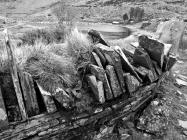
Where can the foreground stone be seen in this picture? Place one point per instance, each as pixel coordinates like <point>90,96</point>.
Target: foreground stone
<point>114,59</point>
<point>154,48</point>
<point>101,75</point>
<point>97,59</point>
<point>97,88</point>
<point>127,65</point>
<point>101,56</point>
<point>113,81</point>
<point>132,83</point>
<point>141,58</point>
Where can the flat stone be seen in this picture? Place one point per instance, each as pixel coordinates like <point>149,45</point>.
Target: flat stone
<point>128,67</point>
<point>171,32</point>
<point>154,48</point>
<point>115,86</point>
<point>96,37</point>
<point>101,75</point>
<point>146,74</point>
<point>141,58</point>
<point>132,83</point>
<point>97,59</point>
<point>171,61</point>
<point>101,56</point>
<point>97,88</point>
<point>114,59</point>
<point>157,68</point>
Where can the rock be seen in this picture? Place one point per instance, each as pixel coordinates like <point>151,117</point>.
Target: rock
<point>154,48</point>
<point>97,88</point>
<point>63,98</point>
<point>132,83</point>
<point>114,59</point>
<point>171,32</point>
<point>146,74</point>
<point>101,56</point>
<point>157,68</point>
<point>145,24</point>
<point>127,65</point>
<point>48,100</point>
<point>97,59</point>
<point>136,14</point>
<point>141,58</point>
<point>101,75</point>
<point>96,37</point>
<point>151,76</point>
<point>171,61</point>
<point>115,86</point>
<point>126,17</point>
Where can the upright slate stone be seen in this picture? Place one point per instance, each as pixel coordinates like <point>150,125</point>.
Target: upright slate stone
<point>114,59</point>
<point>154,48</point>
<point>101,75</point>
<point>132,83</point>
<point>115,86</point>
<point>128,67</point>
<point>101,56</point>
<point>97,88</point>
<point>97,59</point>
<point>141,58</point>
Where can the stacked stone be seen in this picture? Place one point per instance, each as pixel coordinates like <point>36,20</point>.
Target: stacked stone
<point>111,75</point>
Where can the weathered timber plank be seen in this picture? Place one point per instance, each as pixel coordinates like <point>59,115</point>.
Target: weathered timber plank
<point>47,125</point>
<point>29,94</point>
<point>3,114</point>
<point>14,74</point>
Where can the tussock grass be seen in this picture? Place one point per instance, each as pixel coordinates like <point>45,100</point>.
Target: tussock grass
<point>52,65</point>
<point>50,69</point>
<point>79,47</point>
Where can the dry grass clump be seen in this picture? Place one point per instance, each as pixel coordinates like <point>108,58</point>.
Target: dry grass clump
<point>45,35</point>
<point>79,47</point>
<point>51,70</point>
<point>53,65</point>
<point>3,59</point>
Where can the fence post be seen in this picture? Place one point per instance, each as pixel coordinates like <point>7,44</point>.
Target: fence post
<point>14,74</point>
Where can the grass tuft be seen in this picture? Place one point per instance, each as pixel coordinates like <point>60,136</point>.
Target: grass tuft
<point>79,47</point>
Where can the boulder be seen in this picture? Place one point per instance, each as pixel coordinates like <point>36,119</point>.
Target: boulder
<point>141,58</point>
<point>154,48</point>
<point>132,83</point>
<point>114,83</point>
<point>97,88</point>
<point>114,59</point>
<point>101,76</point>
<point>96,37</point>
<point>171,32</point>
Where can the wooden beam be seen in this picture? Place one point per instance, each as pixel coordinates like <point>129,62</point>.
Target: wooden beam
<point>14,74</point>
<point>29,93</point>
